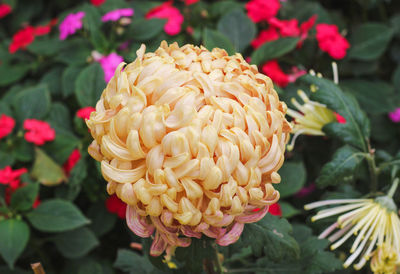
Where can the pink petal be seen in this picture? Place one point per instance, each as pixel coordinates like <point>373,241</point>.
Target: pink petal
<point>138,224</point>
<point>158,246</point>
<point>251,217</point>
<point>188,232</point>
<point>232,236</point>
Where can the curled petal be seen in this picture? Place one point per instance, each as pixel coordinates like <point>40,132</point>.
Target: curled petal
<point>251,217</point>
<point>232,236</point>
<point>158,246</point>
<point>138,224</point>
<point>161,227</point>
<point>188,232</point>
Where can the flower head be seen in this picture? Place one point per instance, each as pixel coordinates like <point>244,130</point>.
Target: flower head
<point>11,177</point>
<point>190,2</point>
<point>385,259</point>
<point>97,2</point>
<point>71,24</point>
<point>38,132</point>
<point>7,124</point>
<point>375,222</point>
<point>84,113</point>
<point>287,28</point>
<point>192,141</point>
<point>310,118</point>
<point>395,115</point>
<point>114,15</point>
<point>331,41</point>
<point>169,12</point>
<point>262,10</point>
<point>72,160</point>
<point>5,10</point>
<point>109,63</point>
<point>22,39</point>
<point>278,76</point>
<point>264,36</point>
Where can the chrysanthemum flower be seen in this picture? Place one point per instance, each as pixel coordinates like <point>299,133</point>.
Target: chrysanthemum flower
<point>375,222</point>
<point>192,141</point>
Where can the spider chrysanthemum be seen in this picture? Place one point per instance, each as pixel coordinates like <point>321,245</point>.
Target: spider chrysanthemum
<point>192,141</point>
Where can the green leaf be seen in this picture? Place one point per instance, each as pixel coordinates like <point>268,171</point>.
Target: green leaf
<point>214,39</point>
<point>62,146</point>
<point>73,187</point>
<point>32,102</point>
<point>12,73</point>
<point>89,85</point>
<point>45,170</point>
<point>194,255</point>
<point>375,97</point>
<point>356,130</point>
<point>288,210</point>
<point>344,162</point>
<point>53,80</point>
<point>14,235</point>
<point>369,41</point>
<point>59,117</point>
<point>76,52</point>
<point>47,47</point>
<point>293,178</point>
<point>24,197</point>
<point>273,49</point>
<point>131,262</point>
<point>68,79</point>
<point>57,215</point>
<point>396,78</point>
<point>237,26</point>
<point>76,243</point>
<point>102,220</point>
<point>142,29</point>
<point>269,232</point>
<point>219,8</point>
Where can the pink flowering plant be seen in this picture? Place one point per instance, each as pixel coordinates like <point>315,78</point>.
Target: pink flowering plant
<point>335,65</point>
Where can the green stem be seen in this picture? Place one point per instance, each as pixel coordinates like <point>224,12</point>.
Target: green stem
<point>393,188</point>
<point>212,264</point>
<point>373,171</point>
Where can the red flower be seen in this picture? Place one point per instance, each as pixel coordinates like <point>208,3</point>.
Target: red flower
<point>190,2</point>
<point>22,39</point>
<point>264,36</point>
<point>275,209</point>
<point>6,125</point>
<point>287,28</point>
<point>330,41</point>
<point>340,119</point>
<point>11,177</point>
<point>169,12</point>
<point>274,71</point>
<point>262,10</point>
<point>38,132</point>
<point>84,113</point>
<point>42,30</point>
<point>306,26</point>
<point>73,159</point>
<point>97,2</point>
<point>4,10</point>
<point>115,205</point>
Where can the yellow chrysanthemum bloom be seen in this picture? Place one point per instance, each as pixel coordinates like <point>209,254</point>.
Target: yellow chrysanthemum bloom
<point>385,260</point>
<point>375,222</point>
<point>192,141</point>
<point>310,118</point>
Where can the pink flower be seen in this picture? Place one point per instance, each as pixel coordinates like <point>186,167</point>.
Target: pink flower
<point>109,63</point>
<point>38,132</point>
<point>262,10</point>
<point>114,15</point>
<point>330,41</point>
<point>73,159</point>
<point>395,115</point>
<point>84,113</point>
<point>305,191</point>
<point>4,10</point>
<point>264,36</point>
<point>11,177</point>
<point>97,2</point>
<point>339,118</point>
<point>190,2</point>
<point>71,24</point>
<point>274,71</point>
<point>169,12</point>
<point>287,28</point>
<point>6,125</point>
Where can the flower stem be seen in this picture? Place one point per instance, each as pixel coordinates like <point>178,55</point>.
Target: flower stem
<point>393,188</point>
<point>373,171</point>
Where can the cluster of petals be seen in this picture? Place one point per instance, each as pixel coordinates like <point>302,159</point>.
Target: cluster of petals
<point>374,222</point>
<point>72,160</point>
<point>331,41</point>
<point>38,132</point>
<point>169,12</point>
<point>7,124</point>
<point>278,76</point>
<point>10,177</point>
<point>4,10</point>
<point>190,2</point>
<point>116,206</point>
<point>115,15</point>
<point>284,28</point>
<point>97,2</point>
<point>84,113</point>
<point>395,115</point>
<point>71,24</point>
<point>26,36</point>
<point>262,10</point>
<point>109,63</point>
<point>192,141</point>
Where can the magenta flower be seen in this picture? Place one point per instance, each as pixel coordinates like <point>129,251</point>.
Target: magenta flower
<point>395,115</point>
<point>114,15</point>
<point>109,63</point>
<point>71,24</point>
